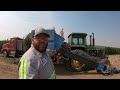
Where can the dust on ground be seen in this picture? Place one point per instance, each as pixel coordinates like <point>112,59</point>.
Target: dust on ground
<point>9,70</point>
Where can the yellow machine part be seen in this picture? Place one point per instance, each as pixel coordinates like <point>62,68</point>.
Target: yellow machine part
<point>59,59</point>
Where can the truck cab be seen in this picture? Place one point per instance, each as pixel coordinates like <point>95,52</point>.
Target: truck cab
<point>14,47</point>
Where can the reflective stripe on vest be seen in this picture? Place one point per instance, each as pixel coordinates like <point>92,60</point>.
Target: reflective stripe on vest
<point>23,69</point>
<point>53,76</point>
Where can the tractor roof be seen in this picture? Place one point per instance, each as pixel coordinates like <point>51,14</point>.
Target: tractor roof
<point>78,34</point>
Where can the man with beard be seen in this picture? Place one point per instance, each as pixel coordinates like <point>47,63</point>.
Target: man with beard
<point>36,62</point>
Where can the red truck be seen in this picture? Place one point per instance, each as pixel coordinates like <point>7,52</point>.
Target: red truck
<point>13,48</point>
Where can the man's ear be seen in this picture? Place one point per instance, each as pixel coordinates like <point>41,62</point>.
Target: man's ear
<point>32,38</point>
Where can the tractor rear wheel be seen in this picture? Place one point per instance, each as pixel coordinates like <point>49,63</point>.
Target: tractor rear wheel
<point>74,65</point>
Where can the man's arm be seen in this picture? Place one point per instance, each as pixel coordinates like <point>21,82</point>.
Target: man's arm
<point>28,69</point>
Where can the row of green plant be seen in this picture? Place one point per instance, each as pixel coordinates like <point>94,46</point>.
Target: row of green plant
<point>112,50</point>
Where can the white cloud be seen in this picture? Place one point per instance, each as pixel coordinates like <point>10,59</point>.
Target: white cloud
<point>21,23</point>
<point>11,25</point>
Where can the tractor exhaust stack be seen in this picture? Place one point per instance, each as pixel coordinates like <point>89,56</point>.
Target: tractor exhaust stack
<point>93,40</point>
<point>90,39</point>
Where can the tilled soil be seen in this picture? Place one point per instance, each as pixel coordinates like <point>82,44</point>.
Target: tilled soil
<point>8,70</point>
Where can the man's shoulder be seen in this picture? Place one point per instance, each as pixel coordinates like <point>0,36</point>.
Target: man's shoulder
<point>29,54</point>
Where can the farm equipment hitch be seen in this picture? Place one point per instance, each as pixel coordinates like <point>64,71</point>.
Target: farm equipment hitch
<point>107,71</point>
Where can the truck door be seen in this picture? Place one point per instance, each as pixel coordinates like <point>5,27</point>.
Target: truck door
<point>19,45</point>
<point>12,44</point>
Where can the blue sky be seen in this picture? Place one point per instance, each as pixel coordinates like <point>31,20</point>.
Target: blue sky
<point>105,24</point>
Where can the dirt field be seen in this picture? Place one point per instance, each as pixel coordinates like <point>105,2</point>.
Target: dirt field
<point>8,70</point>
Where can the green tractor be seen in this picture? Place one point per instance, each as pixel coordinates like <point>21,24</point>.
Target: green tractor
<point>78,41</point>
<point>78,45</point>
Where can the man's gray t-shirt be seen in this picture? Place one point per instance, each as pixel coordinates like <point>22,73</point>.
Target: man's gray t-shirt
<point>36,65</point>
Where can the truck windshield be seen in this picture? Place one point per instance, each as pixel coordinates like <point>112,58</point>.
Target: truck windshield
<point>12,40</point>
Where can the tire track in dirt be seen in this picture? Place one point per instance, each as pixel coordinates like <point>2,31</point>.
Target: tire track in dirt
<point>9,70</point>
<point>7,66</point>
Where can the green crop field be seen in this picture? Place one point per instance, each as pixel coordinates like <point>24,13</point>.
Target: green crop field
<point>110,50</point>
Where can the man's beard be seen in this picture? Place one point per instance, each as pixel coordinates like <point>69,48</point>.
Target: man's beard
<point>42,48</point>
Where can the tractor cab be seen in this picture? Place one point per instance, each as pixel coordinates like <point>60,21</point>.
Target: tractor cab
<point>77,41</point>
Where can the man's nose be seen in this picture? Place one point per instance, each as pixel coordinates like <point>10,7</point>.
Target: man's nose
<point>44,41</point>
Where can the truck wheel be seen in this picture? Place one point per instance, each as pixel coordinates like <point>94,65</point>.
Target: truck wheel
<point>5,54</point>
<point>74,65</point>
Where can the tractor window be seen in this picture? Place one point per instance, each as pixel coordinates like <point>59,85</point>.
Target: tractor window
<point>80,41</point>
<point>75,41</point>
